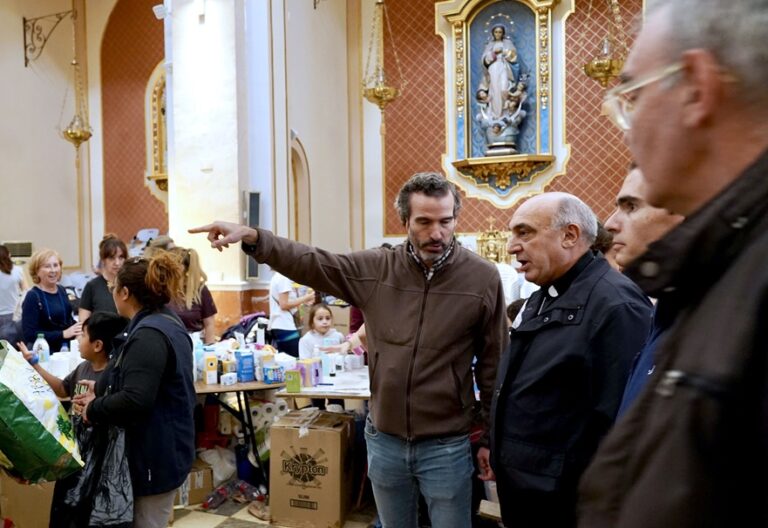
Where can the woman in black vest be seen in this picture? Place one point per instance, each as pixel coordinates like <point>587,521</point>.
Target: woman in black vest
<point>148,387</point>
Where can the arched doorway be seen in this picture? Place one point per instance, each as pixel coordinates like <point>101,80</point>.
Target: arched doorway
<point>300,204</point>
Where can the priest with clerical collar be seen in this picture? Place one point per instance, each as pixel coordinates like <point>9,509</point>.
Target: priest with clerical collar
<point>560,383</point>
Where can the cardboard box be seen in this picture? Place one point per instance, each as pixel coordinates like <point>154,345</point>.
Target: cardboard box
<point>310,474</point>
<point>28,506</point>
<point>340,319</point>
<point>198,485</point>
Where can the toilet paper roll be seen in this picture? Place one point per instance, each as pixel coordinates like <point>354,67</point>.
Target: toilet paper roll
<point>237,430</point>
<point>256,413</point>
<point>269,410</point>
<point>282,406</point>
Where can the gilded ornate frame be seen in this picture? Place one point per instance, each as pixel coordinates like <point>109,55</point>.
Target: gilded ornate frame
<point>510,174</point>
<point>156,134</point>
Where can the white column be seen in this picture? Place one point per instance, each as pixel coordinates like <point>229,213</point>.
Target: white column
<point>204,125</point>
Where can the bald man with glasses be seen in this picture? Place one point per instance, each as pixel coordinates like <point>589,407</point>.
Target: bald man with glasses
<point>692,451</point>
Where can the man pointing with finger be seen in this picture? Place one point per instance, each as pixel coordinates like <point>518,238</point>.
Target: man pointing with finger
<point>431,308</point>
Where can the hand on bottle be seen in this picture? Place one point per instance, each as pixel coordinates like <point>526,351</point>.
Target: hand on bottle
<point>222,234</point>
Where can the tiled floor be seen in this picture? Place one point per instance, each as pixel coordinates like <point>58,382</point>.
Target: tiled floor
<point>234,515</point>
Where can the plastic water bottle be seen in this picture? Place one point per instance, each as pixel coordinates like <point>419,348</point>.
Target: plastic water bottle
<point>64,348</point>
<point>41,348</point>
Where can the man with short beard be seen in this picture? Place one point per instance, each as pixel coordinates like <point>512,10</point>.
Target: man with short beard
<point>431,307</point>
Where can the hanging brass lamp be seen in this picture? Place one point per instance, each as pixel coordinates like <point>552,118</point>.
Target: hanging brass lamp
<point>608,63</point>
<point>78,130</point>
<point>375,86</point>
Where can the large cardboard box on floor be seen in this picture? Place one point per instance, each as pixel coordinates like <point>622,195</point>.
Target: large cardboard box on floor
<point>197,487</point>
<point>310,472</point>
<point>28,506</point>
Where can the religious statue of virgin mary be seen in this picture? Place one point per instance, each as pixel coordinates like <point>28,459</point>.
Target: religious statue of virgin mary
<point>500,93</point>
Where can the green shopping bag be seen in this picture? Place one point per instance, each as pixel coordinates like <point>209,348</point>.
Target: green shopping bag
<point>37,442</point>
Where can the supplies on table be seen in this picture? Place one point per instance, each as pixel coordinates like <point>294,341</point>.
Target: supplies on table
<point>210,368</point>
<point>310,371</point>
<point>38,440</point>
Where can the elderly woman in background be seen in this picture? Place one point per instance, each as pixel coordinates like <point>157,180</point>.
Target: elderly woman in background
<point>11,286</point>
<point>148,387</point>
<point>46,309</point>
<point>96,294</point>
<point>196,309</point>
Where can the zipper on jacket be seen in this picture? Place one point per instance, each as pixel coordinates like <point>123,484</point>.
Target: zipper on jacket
<point>408,431</point>
<point>671,379</point>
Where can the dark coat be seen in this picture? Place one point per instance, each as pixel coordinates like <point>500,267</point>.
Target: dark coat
<point>150,391</point>
<point>559,386</point>
<point>693,449</point>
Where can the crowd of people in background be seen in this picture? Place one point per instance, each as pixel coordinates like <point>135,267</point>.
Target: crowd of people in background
<point>628,389</point>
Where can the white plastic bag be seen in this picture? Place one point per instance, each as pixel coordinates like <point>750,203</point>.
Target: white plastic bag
<point>223,463</point>
<point>36,435</point>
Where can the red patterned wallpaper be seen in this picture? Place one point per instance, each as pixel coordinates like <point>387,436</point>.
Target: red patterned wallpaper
<point>131,48</point>
<point>599,157</point>
<point>415,124</point>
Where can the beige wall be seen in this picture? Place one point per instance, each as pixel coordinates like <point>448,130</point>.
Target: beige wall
<point>316,77</point>
<point>42,199</point>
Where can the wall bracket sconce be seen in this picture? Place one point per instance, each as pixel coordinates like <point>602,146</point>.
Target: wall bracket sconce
<point>37,31</point>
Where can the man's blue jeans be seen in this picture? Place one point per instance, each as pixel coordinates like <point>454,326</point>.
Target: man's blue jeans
<point>440,468</point>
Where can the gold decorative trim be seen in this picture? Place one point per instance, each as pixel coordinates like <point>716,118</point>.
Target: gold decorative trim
<point>506,177</point>
<point>544,68</point>
<point>506,171</point>
<point>159,128</point>
<point>491,244</point>
<point>459,43</point>
<point>156,131</point>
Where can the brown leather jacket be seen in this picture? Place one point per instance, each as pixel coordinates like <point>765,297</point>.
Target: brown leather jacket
<point>693,449</point>
<point>422,335</point>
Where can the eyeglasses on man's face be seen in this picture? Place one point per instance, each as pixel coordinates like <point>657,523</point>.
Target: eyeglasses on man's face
<point>619,102</point>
